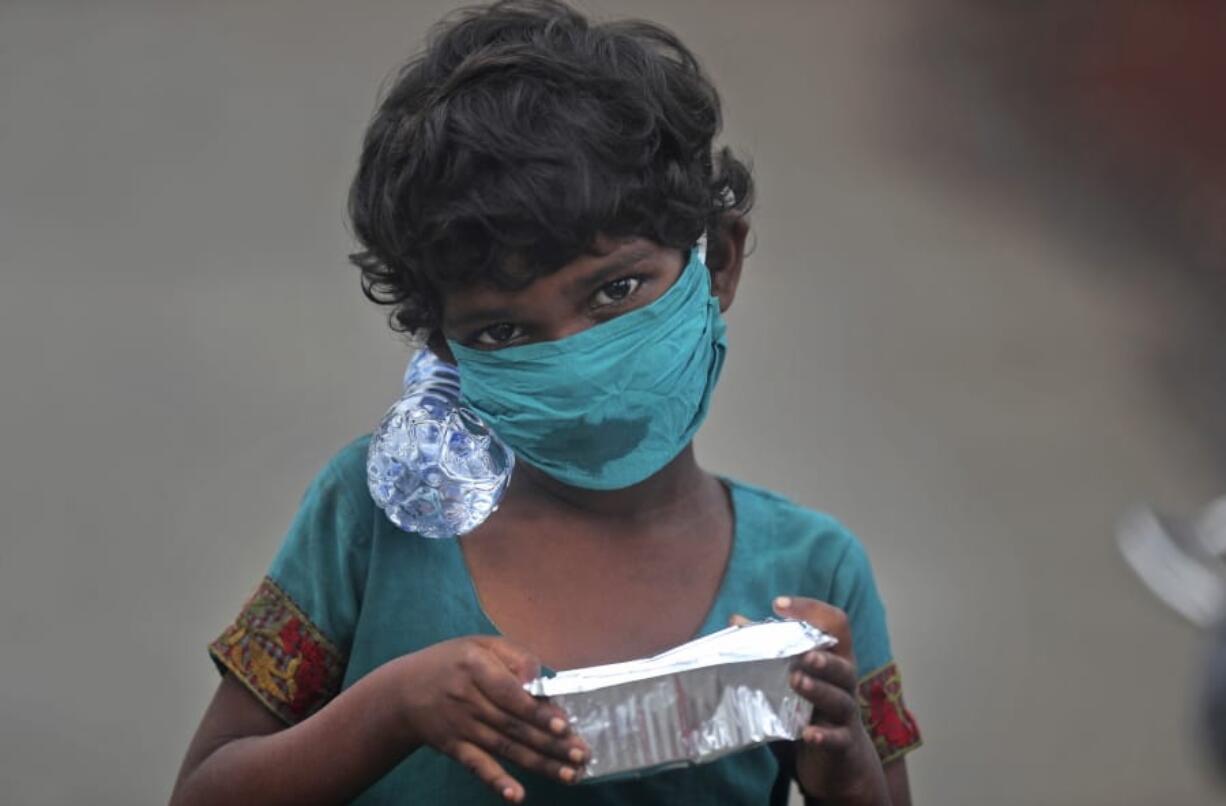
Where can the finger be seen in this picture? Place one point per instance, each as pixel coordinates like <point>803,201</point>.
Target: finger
<point>827,738</point>
<point>827,618</point>
<point>482,765</point>
<point>830,703</point>
<point>508,747</point>
<point>570,749</point>
<point>825,665</point>
<point>737,620</point>
<point>502,689</point>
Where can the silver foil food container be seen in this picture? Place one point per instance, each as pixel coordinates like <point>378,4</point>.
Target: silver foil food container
<point>718,694</point>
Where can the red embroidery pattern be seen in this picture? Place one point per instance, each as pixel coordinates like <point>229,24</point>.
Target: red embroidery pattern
<point>275,650</point>
<point>890,725</point>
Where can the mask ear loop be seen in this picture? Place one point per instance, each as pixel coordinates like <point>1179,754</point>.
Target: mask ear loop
<point>729,201</point>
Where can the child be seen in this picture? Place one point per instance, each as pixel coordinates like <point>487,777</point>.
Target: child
<point>529,197</point>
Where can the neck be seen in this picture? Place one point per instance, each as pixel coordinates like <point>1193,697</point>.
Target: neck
<point>675,487</point>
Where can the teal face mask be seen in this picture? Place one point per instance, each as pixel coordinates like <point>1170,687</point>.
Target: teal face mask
<point>610,406</point>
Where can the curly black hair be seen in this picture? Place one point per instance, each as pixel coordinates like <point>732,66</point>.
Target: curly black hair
<point>519,135</point>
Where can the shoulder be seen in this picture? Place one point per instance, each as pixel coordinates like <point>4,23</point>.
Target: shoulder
<point>805,551</point>
<point>341,483</point>
<point>787,524</point>
<point>336,509</point>
<point>346,471</point>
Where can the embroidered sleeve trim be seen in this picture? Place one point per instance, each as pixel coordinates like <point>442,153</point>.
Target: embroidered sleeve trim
<point>275,650</point>
<point>890,725</point>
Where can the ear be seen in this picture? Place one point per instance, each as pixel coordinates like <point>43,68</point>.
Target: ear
<point>726,257</point>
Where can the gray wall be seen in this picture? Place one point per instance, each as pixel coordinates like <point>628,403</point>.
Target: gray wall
<point>182,345</point>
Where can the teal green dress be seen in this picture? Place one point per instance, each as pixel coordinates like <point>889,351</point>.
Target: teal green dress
<point>350,591</point>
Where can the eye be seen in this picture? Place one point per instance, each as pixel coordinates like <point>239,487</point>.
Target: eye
<point>616,291</point>
<point>498,335</point>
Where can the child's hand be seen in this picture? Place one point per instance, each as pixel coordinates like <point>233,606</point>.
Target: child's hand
<point>835,760</point>
<point>465,698</point>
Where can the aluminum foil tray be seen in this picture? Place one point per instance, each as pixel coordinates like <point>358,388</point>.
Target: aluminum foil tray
<point>718,694</point>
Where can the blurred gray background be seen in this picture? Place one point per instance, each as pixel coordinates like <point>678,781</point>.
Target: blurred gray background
<point>944,336</point>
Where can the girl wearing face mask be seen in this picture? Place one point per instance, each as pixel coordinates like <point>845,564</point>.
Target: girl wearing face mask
<point>539,197</point>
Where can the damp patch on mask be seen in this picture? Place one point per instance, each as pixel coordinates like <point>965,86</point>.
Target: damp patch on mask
<point>592,445</point>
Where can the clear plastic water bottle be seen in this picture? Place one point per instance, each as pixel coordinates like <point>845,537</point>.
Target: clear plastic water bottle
<point>432,465</point>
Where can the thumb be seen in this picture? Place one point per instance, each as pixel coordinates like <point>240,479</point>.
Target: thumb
<point>737,620</point>
<point>827,618</point>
